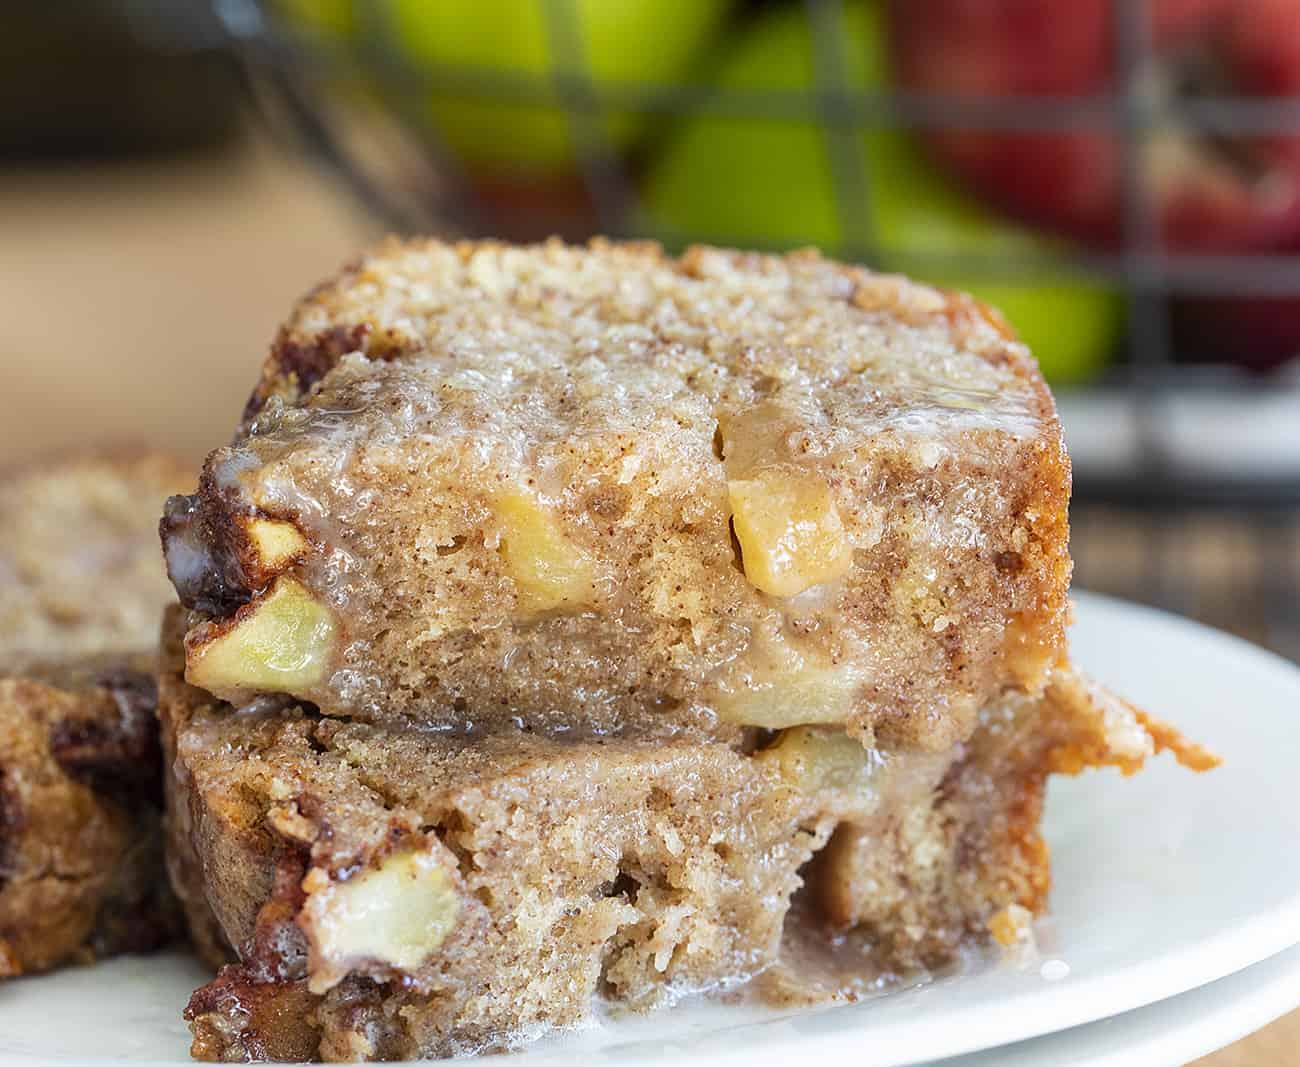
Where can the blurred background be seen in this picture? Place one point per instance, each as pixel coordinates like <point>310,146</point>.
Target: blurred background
<point>1120,177</point>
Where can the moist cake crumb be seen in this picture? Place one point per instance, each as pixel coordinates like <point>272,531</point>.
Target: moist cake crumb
<point>383,891</point>
<point>602,489</point>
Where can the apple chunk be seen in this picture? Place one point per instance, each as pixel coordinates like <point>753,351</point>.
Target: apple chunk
<point>395,915</point>
<point>550,572</point>
<point>790,533</point>
<point>282,642</point>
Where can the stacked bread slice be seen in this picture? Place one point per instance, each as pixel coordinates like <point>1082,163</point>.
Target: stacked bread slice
<point>579,624</point>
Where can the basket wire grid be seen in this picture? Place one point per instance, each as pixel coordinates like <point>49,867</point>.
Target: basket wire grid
<point>1224,549</point>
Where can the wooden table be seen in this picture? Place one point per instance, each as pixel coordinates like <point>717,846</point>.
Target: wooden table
<point>138,301</point>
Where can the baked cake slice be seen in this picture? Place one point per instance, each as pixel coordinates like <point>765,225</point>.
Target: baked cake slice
<point>384,891</point>
<point>81,586</point>
<point>602,489</point>
<point>582,624</point>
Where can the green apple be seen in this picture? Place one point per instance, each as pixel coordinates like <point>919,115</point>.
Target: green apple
<point>752,180</point>
<point>330,18</point>
<point>643,43</point>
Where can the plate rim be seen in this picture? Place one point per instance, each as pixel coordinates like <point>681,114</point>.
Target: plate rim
<point>1235,1007</point>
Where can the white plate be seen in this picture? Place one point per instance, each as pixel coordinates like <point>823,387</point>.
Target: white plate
<point>1166,1034</point>
<point>1164,882</point>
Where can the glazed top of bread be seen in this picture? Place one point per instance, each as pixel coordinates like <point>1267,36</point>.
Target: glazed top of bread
<point>636,333</point>
<point>622,401</point>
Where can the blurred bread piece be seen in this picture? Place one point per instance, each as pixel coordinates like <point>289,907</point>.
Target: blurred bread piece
<point>81,591</point>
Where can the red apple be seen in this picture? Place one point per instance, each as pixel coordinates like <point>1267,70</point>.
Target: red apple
<point>1258,332</point>
<point>1213,192</point>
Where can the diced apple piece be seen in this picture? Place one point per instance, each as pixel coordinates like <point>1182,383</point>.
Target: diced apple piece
<point>780,698</point>
<point>790,533</point>
<point>549,570</point>
<point>397,915</point>
<point>282,642</point>
<point>275,542</point>
<point>816,758</point>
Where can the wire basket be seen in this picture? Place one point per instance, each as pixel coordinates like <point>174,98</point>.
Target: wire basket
<point>1170,447</point>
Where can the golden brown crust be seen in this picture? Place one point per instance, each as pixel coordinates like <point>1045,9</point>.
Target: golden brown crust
<point>1084,726</point>
<point>184,866</point>
<point>238,1019</point>
<point>1167,738</point>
